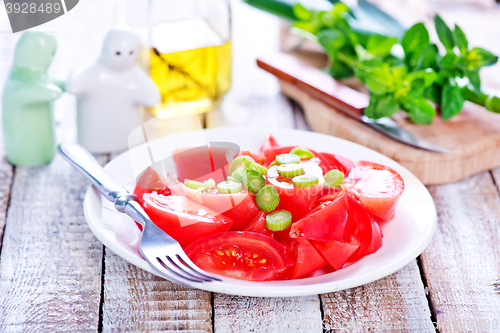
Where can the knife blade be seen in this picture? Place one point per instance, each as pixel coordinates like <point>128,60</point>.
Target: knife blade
<point>347,100</point>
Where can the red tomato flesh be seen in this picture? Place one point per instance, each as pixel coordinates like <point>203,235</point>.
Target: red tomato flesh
<point>241,255</point>
<point>150,181</point>
<point>297,200</point>
<point>239,207</point>
<point>258,225</point>
<point>183,219</point>
<point>360,224</point>
<point>376,186</point>
<point>306,260</point>
<point>325,222</point>
<point>336,253</point>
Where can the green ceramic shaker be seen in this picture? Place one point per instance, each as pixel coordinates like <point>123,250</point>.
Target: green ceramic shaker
<point>27,116</point>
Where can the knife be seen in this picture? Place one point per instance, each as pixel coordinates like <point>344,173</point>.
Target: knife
<point>351,102</point>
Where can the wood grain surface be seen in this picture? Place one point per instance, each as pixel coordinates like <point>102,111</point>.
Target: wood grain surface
<point>50,263</point>
<point>138,301</point>
<point>461,264</point>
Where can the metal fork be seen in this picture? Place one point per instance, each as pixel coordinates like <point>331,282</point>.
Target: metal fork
<point>160,250</point>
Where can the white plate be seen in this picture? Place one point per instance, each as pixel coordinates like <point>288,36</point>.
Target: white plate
<point>405,236</point>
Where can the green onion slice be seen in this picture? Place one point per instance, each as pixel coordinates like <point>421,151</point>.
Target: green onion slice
<point>238,174</point>
<point>305,180</point>
<point>255,167</point>
<point>238,162</point>
<point>290,170</point>
<point>229,187</point>
<point>334,178</point>
<point>192,184</point>
<point>279,220</point>
<point>302,152</point>
<point>232,179</point>
<point>253,181</point>
<point>210,183</point>
<point>287,158</point>
<point>267,198</point>
<point>273,163</point>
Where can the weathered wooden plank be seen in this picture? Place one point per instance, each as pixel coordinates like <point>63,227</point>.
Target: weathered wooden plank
<point>275,314</point>
<point>462,262</point>
<point>395,303</point>
<point>138,301</point>
<point>50,278</point>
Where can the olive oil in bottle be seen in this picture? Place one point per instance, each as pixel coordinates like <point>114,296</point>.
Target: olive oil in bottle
<point>190,75</point>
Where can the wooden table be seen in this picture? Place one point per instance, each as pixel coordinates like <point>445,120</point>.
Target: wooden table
<point>56,276</point>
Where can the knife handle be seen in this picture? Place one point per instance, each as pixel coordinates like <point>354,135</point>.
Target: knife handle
<point>315,82</point>
<point>84,162</point>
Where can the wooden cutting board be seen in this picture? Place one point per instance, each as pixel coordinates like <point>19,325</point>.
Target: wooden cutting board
<point>473,135</point>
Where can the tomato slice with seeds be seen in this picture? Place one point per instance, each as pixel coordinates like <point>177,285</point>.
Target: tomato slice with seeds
<point>376,186</point>
<point>241,255</point>
<point>183,219</point>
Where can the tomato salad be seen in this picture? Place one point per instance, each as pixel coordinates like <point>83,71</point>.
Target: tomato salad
<point>284,213</point>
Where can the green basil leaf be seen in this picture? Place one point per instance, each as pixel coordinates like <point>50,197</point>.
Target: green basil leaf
<point>309,27</point>
<point>301,12</point>
<point>452,100</point>
<point>429,76</point>
<point>363,68</point>
<point>415,39</point>
<point>479,57</point>
<point>339,10</point>
<point>444,33</point>
<point>281,8</point>
<point>387,106</point>
<point>450,64</point>
<point>462,42</point>
<point>433,93</point>
<point>493,104</point>
<point>380,45</point>
<point>325,19</point>
<point>420,110</point>
<point>340,70</point>
<point>379,80</point>
<point>370,110</point>
<point>399,72</point>
<point>332,39</point>
<point>426,58</point>
<point>474,80</point>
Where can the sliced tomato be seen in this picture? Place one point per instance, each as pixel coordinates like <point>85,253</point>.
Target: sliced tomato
<point>361,225</point>
<point>203,162</point>
<point>297,200</point>
<point>338,162</point>
<point>239,207</point>
<point>376,186</point>
<point>240,254</point>
<point>269,143</point>
<point>325,222</point>
<point>258,225</point>
<point>336,253</point>
<point>150,181</point>
<point>305,258</point>
<point>183,219</point>
<point>260,159</point>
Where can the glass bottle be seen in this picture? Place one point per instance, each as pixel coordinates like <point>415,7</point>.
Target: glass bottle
<point>187,51</point>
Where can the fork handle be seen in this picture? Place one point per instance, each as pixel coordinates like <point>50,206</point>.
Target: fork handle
<point>83,161</point>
